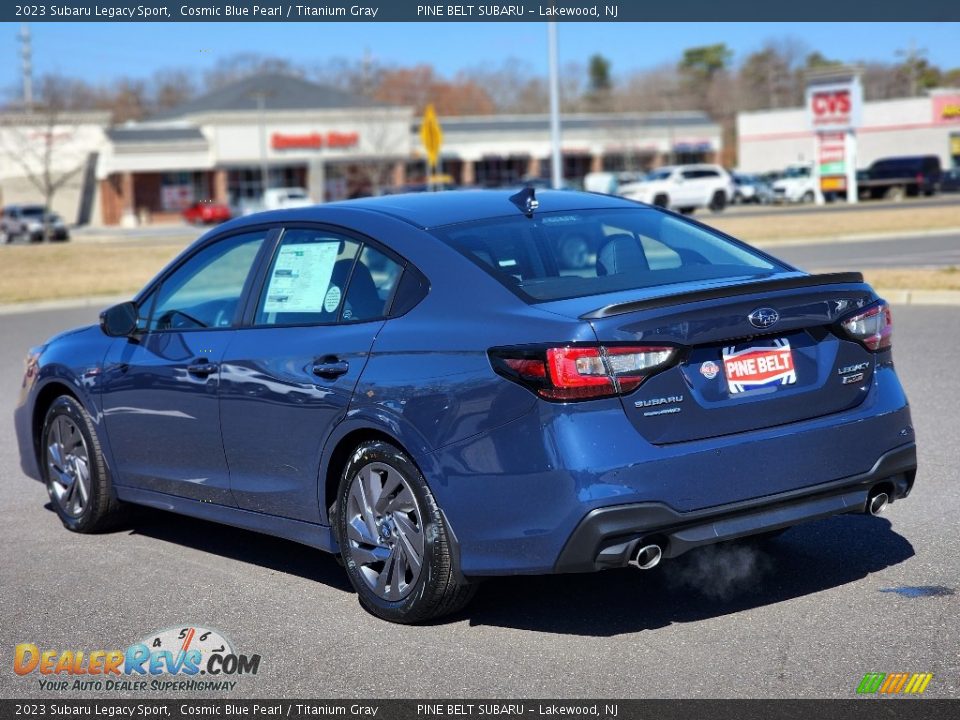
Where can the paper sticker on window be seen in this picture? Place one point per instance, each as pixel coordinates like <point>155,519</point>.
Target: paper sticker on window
<point>300,277</point>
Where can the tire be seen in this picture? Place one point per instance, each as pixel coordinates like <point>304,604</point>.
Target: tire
<point>808,197</point>
<point>380,537</point>
<point>718,202</point>
<point>896,193</point>
<point>661,201</point>
<point>74,469</point>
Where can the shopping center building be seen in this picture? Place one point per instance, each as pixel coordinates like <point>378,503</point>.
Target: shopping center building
<point>219,146</point>
<point>930,125</point>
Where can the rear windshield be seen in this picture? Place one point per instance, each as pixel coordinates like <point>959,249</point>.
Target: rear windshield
<point>555,256</point>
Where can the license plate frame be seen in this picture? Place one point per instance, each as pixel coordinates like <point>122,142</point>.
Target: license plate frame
<point>758,366</point>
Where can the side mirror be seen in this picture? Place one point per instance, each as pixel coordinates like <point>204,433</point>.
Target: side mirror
<point>119,320</point>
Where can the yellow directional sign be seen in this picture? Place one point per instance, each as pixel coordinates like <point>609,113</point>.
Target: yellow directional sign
<point>431,134</point>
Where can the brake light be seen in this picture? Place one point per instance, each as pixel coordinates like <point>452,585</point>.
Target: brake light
<point>873,328</point>
<point>583,371</point>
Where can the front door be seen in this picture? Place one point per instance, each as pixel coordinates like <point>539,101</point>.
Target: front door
<point>160,388</point>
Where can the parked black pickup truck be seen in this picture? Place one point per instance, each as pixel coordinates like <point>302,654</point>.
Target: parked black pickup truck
<point>896,177</point>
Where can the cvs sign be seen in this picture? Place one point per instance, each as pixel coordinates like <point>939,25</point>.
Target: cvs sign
<point>835,106</point>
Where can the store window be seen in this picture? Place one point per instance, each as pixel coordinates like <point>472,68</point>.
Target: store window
<point>179,190</point>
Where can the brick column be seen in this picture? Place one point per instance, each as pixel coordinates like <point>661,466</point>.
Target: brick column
<point>533,167</point>
<point>398,176</point>
<point>128,214</point>
<point>596,162</point>
<point>468,173</point>
<point>220,193</point>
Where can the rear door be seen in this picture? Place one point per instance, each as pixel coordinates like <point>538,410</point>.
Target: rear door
<point>289,376</point>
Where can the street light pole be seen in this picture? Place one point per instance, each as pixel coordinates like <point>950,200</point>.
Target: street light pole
<point>556,163</point>
<point>264,177</point>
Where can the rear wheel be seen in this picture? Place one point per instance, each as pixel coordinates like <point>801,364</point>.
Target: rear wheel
<point>395,543</point>
<point>718,202</point>
<point>896,193</point>
<point>74,469</point>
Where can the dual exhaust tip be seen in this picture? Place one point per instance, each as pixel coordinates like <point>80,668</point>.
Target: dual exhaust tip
<point>647,557</point>
<point>877,503</point>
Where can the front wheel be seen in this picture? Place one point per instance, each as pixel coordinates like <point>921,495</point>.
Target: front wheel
<point>74,469</point>
<point>396,546</point>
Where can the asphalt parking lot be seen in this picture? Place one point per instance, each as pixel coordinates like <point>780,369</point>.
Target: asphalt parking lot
<point>805,617</point>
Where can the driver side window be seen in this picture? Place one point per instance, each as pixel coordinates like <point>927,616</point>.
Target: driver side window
<point>205,291</point>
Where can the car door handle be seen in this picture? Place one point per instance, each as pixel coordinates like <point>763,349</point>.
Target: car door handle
<point>331,368</point>
<point>202,368</point>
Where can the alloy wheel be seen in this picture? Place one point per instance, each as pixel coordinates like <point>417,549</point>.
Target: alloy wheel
<point>68,466</point>
<point>384,530</point>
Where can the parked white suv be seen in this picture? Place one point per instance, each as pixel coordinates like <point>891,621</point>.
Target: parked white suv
<point>683,187</point>
<point>796,185</point>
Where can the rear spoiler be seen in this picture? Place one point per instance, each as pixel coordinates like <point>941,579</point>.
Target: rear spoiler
<point>748,288</point>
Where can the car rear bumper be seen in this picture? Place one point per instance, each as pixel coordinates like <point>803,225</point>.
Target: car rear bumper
<point>516,496</point>
<point>609,537</point>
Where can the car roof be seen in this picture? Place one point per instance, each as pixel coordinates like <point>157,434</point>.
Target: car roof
<point>454,206</point>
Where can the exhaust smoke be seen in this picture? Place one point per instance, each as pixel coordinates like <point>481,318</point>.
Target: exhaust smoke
<point>721,571</point>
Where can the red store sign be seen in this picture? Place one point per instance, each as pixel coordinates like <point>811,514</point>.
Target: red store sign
<point>834,107</point>
<point>314,141</point>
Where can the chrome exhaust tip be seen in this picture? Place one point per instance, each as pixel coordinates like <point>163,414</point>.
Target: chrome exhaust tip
<point>647,557</point>
<point>877,503</point>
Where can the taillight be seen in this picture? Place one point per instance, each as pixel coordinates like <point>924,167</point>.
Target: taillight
<point>873,328</point>
<point>580,372</point>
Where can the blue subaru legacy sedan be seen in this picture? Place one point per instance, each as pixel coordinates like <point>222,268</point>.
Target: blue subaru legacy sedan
<point>445,387</point>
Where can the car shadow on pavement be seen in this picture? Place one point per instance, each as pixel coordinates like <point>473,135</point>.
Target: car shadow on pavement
<point>269,552</point>
<point>704,583</point>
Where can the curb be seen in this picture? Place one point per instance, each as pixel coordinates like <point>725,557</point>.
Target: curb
<point>855,238</point>
<point>98,301</point>
<point>920,297</point>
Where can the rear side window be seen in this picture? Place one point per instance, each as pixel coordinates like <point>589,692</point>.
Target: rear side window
<point>319,278</point>
<point>307,279</point>
<point>555,256</point>
<point>372,285</point>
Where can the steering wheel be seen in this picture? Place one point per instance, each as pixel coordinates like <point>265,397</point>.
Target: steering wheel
<point>165,321</point>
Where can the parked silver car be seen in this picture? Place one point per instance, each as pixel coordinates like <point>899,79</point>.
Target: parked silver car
<point>31,222</point>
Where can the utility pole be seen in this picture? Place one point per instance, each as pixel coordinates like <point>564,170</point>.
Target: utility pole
<point>26,59</point>
<point>261,98</point>
<point>556,162</point>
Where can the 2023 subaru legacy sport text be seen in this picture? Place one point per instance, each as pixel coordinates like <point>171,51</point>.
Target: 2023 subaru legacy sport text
<point>420,384</point>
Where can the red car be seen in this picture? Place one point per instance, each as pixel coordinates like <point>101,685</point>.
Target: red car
<point>202,213</point>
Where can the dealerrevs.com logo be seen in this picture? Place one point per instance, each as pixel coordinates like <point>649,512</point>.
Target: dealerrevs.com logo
<point>190,659</point>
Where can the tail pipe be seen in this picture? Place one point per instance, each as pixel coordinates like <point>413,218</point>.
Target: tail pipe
<point>647,556</point>
<point>877,502</point>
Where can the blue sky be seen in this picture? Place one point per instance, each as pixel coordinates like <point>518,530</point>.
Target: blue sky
<point>100,52</point>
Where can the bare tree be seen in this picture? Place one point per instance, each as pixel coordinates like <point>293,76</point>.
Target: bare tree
<point>33,141</point>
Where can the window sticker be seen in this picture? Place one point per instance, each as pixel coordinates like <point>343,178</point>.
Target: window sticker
<point>332,299</point>
<point>300,277</point>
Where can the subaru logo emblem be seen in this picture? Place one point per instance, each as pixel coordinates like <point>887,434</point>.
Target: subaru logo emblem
<point>763,317</point>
